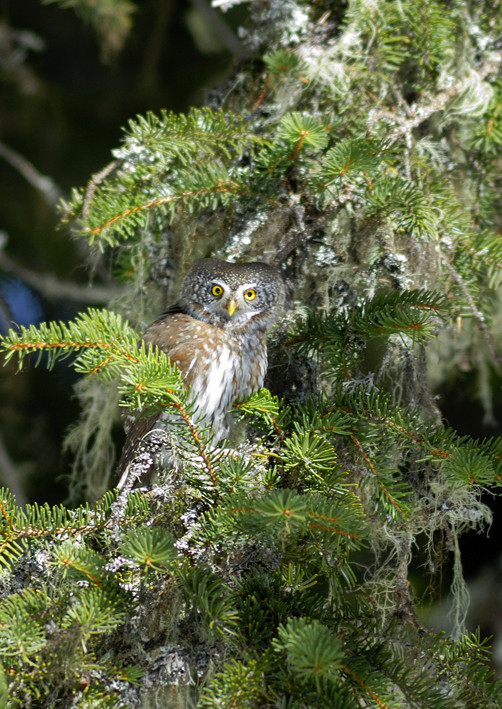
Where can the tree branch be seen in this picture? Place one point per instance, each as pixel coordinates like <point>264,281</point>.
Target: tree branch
<point>54,288</point>
<point>44,184</point>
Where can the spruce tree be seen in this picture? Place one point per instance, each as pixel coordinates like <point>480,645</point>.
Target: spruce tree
<point>358,148</point>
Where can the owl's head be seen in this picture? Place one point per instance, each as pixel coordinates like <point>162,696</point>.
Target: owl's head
<point>233,294</point>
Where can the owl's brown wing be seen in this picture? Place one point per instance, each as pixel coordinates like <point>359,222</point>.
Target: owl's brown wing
<point>183,339</point>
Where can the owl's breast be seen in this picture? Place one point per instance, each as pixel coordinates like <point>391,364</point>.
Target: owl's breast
<point>211,386</point>
<point>234,368</point>
<point>220,366</point>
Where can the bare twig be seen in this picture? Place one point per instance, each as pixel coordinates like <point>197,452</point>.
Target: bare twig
<point>42,183</point>
<point>51,287</point>
<point>94,182</point>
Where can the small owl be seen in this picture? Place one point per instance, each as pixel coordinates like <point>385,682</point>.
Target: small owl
<point>216,334</point>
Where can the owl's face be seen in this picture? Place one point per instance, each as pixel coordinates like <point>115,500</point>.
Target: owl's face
<point>233,294</point>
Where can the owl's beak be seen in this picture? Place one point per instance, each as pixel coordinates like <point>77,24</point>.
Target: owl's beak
<point>231,306</point>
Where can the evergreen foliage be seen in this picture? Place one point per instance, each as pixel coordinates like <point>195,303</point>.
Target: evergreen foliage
<point>276,572</point>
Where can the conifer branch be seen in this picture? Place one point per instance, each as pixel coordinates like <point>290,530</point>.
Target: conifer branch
<point>363,684</point>
<point>219,188</point>
<point>374,472</point>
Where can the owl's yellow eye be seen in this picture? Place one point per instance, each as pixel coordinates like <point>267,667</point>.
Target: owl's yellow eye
<point>217,291</point>
<point>250,294</point>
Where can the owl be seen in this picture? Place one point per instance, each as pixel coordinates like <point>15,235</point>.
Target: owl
<point>216,335</point>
